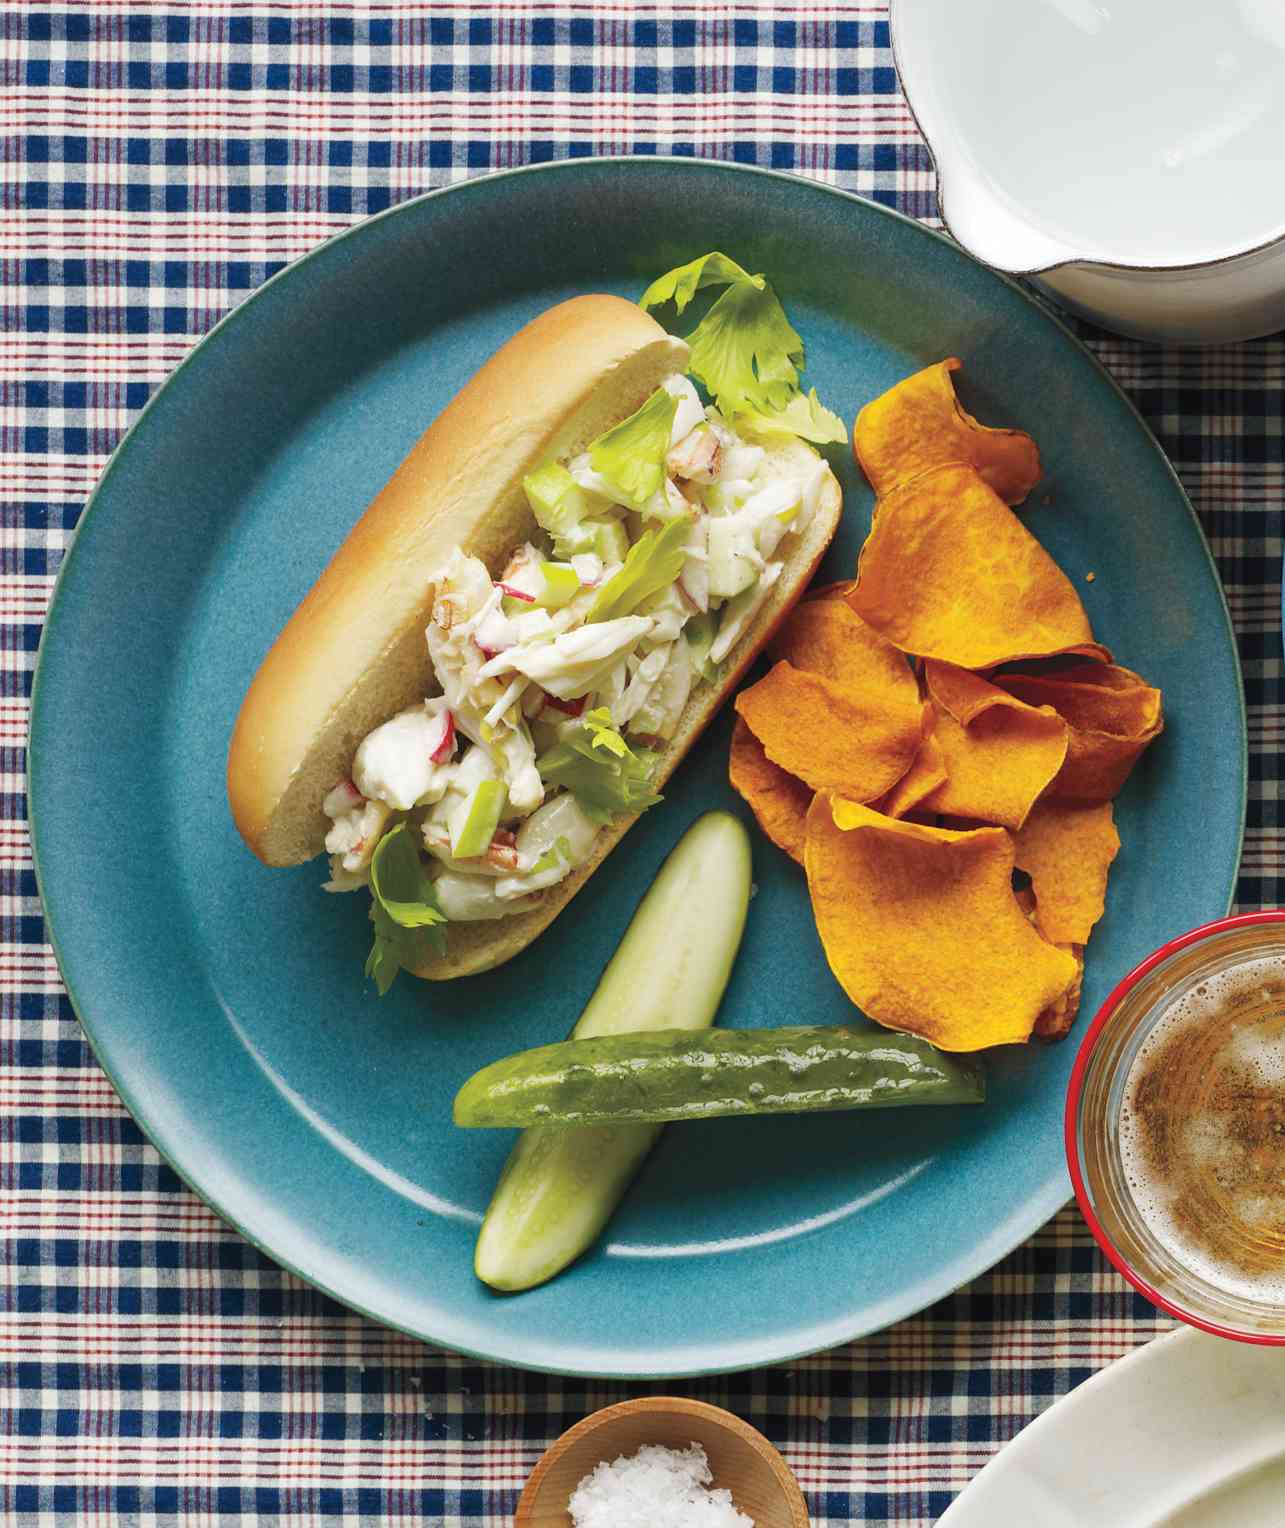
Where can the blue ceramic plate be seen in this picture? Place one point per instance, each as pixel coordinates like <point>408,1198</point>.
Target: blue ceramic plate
<point>227,1001</point>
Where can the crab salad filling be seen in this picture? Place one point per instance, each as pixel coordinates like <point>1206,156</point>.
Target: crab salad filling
<point>563,676</point>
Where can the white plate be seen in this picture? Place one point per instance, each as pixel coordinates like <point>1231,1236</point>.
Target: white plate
<point>1188,1432</point>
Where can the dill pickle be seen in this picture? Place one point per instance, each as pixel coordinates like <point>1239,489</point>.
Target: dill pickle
<point>675,1074</point>
<point>560,1187</point>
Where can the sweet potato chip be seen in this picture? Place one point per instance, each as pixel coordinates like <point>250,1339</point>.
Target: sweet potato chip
<point>1101,696</point>
<point>1056,1020</point>
<point>922,930</point>
<point>934,784</point>
<point>1067,848</point>
<point>779,801</point>
<point>948,571</point>
<point>920,423</point>
<point>961,692</point>
<point>857,740</point>
<point>922,778</point>
<point>999,754</point>
<point>828,637</point>
<point>1113,715</point>
<point>997,769</point>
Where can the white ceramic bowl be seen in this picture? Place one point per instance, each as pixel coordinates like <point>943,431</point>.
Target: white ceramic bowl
<point>1128,155</point>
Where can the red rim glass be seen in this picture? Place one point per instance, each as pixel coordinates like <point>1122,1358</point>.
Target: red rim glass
<point>1074,1101</point>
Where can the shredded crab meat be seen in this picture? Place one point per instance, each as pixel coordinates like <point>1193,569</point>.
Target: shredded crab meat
<point>501,708</point>
<point>342,799</point>
<point>503,856</point>
<point>697,457</point>
<point>354,835</point>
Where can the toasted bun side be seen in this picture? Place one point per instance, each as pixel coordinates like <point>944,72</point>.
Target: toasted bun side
<point>474,947</point>
<point>353,653</point>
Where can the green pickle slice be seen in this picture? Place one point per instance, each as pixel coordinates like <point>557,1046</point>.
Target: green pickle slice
<point>677,1075</point>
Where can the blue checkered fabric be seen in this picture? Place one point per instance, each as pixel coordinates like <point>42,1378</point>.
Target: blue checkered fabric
<point>160,160</point>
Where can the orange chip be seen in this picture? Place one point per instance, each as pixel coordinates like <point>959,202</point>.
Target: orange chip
<point>920,423</point>
<point>827,637</point>
<point>1113,715</point>
<point>857,740</point>
<point>922,778</point>
<point>1102,696</point>
<point>1067,848</point>
<point>961,692</point>
<point>999,754</point>
<point>1056,1020</point>
<point>949,571</point>
<point>997,769</point>
<point>777,799</point>
<point>922,930</point>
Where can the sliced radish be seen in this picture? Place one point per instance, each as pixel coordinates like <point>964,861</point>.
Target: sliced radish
<point>567,707</point>
<point>446,746</point>
<point>514,593</point>
<point>494,633</point>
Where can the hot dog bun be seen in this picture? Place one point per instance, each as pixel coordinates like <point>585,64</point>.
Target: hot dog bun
<point>353,653</point>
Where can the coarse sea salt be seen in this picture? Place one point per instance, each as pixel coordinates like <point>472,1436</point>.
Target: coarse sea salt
<point>655,1488</point>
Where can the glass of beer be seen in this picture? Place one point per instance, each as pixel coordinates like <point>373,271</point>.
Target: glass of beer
<point>1175,1127</point>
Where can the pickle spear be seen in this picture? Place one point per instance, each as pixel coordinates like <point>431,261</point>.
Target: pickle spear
<point>559,1187</point>
<point>674,1075</point>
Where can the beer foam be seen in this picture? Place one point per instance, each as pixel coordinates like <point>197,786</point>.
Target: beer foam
<point>1259,1056</point>
<point>1204,1141</point>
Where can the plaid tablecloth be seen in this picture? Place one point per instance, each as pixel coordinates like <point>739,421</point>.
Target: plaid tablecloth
<point>160,160</point>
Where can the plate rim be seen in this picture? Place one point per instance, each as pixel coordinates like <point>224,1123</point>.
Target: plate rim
<point>1043,1423</point>
<point>1148,1361</point>
<point>1015,1228</point>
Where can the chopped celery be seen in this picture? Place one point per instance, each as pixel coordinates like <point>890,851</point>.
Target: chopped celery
<point>731,557</point>
<point>741,610</point>
<point>610,540</point>
<point>631,456</point>
<point>560,585</point>
<point>699,633</point>
<point>655,560</point>
<point>556,500</point>
<point>477,818</point>
<point>605,537</point>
